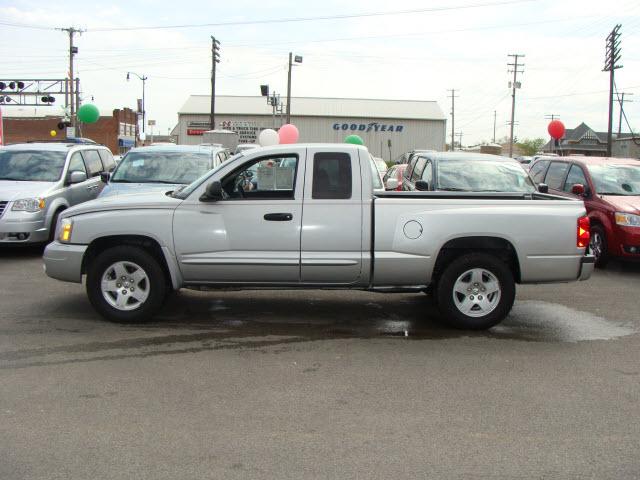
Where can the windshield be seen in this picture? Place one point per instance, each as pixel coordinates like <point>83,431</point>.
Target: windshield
<point>31,165</point>
<point>186,191</point>
<point>483,176</point>
<point>162,167</point>
<point>616,179</point>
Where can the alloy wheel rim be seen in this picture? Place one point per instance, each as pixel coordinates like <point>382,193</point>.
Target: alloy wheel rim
<point>477,292</point>
<point>125,286</point>
<point>596,245</point>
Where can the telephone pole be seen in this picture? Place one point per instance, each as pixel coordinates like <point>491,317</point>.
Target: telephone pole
<point>73,50</point>
<point>215,59</point>
<point>515,84</point>
<point>621,99</point>
<point>494,126</point>
<point>612,56</point>
<point>453,117</point>
<point>459,135</point>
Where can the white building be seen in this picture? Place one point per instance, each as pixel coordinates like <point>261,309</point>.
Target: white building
<point>388,127</point>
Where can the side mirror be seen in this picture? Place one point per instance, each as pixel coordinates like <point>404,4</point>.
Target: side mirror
<point>577,189</point>
<point>422,186</point>
<point>213,193</point>
<point>392,184</point>
<point>543,188</point>
<point>105,176</point>
<point>76,176</point>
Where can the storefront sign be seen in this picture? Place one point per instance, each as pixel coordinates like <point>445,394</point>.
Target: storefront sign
<point>368,127</point>
<point>196,131</point>
<point>247,131</point>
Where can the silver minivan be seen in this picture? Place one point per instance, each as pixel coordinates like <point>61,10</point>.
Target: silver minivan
<point>39,180</point>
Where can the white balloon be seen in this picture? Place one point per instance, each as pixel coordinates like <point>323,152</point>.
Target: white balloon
<point>268,137</point>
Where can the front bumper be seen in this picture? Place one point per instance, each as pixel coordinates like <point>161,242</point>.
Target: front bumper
<point>627,242</point>
<point>587,265</point>
<point>16,231</point>
<point>63,261</point>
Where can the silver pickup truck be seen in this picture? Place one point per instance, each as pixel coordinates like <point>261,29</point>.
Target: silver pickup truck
<point>306,216</point>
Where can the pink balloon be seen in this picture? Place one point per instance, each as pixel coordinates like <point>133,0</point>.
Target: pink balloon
<point>288,134</point>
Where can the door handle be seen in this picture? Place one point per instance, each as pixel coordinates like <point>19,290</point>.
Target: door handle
<point>278,217</point>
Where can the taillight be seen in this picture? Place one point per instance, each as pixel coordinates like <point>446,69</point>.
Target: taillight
<point>583,232</point>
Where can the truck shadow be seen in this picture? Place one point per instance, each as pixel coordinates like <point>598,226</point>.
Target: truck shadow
<point>21,251</point>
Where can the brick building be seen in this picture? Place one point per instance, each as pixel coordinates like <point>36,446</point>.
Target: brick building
<point>118,132</point>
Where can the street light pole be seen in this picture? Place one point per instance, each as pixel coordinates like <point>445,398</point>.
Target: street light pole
<point>144,80</point>
<point>296,59</point>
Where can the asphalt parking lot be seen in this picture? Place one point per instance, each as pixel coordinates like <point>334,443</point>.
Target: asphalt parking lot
<point>318,384</point>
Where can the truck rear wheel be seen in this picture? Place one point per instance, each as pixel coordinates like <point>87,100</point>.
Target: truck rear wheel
<point>476,291</point>
<point>126,284</point>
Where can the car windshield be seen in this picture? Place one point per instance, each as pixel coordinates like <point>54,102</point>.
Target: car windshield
<point>469,175</point>
<point>162,167</point>
<point>186,191</point>
<point>616,179</point>
<point>31,165</point>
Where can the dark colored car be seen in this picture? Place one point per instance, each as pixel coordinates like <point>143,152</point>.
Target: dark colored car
<point>610,188</point>
<point>466,172</point>
<point>393,177</point>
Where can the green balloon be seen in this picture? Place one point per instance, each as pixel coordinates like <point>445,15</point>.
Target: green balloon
<point>354,139</point>
<point>88,113</point>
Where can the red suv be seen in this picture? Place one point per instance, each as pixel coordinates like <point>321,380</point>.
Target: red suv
<point>610,188</point>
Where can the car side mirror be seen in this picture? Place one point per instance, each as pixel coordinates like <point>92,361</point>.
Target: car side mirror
<point>422,185</point>
<point>76,176</point>
<point>105,176</point>
<point>578,189</point>
<point>392,184</point>
<point>543,188</point>
<point>213,193</point>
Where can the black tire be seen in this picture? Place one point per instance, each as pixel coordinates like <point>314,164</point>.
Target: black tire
<point>155,284</point>
<point>497,306</point>
<point>598,246</point>
<point>54,223</point>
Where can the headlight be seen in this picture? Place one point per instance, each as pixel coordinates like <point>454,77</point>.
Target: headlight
<point>627,219</point>
<point>66,226</point>
<point>28,205</point>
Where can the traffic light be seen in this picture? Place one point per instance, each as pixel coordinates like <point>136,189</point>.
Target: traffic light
<point>4,99</point>
<point>63,125</point>
<point>48,99</point>
<point>2,86</point>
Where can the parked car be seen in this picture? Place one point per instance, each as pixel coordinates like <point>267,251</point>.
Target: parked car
<point>525,161</point>
<point>246,146</point>
<point>161,167</point>
<point>610,188</point>
<point>393,178</point>
<point>465,172</point>
<point>406,157</point>
<point>471,247</point>
<point>40,180</point>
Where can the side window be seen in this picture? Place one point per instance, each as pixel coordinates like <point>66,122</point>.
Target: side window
<point>93,162</point>
<point>76,164</point>
<point>417,170</point>
<point>427,173</point>
<point>263,178</point>
<point>576,175</point>
<point>555,175</point>
<point>107,160</point>
<point>331,175</point>
<point>537,171</point>
<point>409,169</point>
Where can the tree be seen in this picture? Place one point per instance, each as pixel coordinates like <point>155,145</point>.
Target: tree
<point>531,146</point>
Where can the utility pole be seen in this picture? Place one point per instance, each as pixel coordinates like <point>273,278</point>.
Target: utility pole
<point>515,84</point>
<point>494,126</point>
<point>292,59</point>
<point>459,135</point>
<point>612,56</point>
<point>73,50</point>
<point>453,117</point>
<point>622,100</point>
<point>215,58</point>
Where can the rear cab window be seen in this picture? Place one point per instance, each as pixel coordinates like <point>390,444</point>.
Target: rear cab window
<point>332,177</point>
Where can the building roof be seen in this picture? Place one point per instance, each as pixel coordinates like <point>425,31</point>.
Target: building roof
<point>573,136</point>
<point>318,107</point>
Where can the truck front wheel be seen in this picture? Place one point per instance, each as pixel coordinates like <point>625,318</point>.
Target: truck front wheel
<point>126,284</point>
<point>476,291</point>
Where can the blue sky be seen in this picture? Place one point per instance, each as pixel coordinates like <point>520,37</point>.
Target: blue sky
<point>416,55</point>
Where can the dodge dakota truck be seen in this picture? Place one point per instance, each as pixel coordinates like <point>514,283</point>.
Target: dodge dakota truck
<point>307,216</point>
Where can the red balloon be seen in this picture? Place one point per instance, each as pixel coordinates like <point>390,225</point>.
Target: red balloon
<point>556,129</point>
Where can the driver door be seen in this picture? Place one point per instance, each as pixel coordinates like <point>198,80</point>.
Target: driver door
<point>253,235</point>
